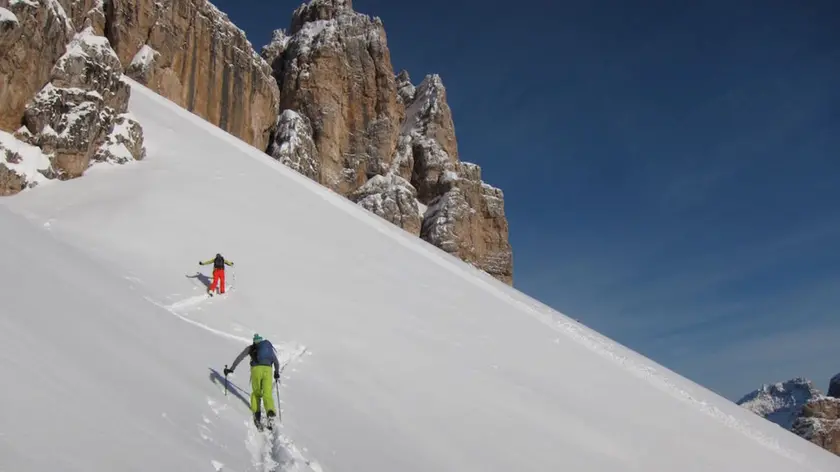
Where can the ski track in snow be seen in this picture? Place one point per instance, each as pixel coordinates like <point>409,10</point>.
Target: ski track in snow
<point>572,330</point>
<point>272,451</point>
<point>282,455</point>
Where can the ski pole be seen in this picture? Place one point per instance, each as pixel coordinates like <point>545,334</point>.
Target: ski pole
<point>226,387</point>
<point>277,392</point>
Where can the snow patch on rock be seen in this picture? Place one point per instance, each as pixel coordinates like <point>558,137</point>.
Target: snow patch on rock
<point>782,402</point>
<point>293,146</point>
<point>144,60</point>
<point>124,143</point>
<point>55,7</point>
<point>392,198</point>
<point>405,89</point>
<point>21,165</point>
<point>7,16</point>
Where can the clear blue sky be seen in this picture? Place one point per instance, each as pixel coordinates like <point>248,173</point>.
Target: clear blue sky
<point>671,169</point>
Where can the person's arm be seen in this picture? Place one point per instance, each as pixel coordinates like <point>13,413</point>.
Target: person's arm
<point>241,356</point>
<point>205,262</point>
<point>230,263</point>
<point>276,364</point>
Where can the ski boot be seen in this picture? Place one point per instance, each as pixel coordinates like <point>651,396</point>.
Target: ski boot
<point>257,421</point>
<point>270,420</point>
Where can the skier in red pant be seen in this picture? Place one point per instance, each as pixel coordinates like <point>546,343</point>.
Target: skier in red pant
<point>219,264</point>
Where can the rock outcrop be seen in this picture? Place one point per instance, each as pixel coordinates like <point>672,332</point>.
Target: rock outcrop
<point>321,98</point>
<point>798,406</point>
<point>834,386</point>
<point>191,53</point>
<point>392,198</point>
<point>781,402</point>
<point>465,216</point>
<point>33,35</point>
<point>74,114</point>
<point>819,422</point>
<point>79,111</point>
<point>21,165</point>
<point>379,140</point>
<point>336,70</point>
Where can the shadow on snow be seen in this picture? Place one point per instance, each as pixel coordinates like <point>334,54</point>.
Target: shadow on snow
<point>201,278</point>
<point>219,379</point>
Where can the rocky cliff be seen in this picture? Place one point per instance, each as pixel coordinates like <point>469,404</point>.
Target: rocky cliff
<point>67,103</point>
<point>348,122</point>
<point>834,386</point>
<point>819,423</point>
<point>798,406</point>
<point>322,98</point>
<point>191,53</point>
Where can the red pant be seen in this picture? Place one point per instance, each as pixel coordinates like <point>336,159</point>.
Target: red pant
<point>218,278</point>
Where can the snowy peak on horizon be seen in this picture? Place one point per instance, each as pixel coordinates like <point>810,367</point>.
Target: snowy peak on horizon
<point>782,402</point>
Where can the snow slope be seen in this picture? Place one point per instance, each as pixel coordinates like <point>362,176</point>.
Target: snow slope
<point>400,357</point>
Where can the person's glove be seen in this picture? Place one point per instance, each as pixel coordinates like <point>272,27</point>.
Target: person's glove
<point>276,375</point>
<point>228,371</point>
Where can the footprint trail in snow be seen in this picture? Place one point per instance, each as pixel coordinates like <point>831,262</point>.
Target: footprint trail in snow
<point>272,451</point>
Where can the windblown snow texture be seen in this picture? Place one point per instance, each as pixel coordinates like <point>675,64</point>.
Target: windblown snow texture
<point>399,356</point>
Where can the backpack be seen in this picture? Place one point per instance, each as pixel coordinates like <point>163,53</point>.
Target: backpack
<point>219,262</point>
<point>262,353</point>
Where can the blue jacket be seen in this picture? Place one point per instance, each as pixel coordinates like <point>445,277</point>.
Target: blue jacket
<point>262,353</point>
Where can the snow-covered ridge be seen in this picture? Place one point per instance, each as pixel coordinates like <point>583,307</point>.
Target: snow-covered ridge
<point>781,402</point>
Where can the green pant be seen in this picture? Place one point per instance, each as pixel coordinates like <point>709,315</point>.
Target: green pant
<point>261,383</point>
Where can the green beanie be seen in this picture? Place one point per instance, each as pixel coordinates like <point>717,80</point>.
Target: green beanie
<point>257,338</point>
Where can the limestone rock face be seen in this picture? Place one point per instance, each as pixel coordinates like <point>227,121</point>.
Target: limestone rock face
<point>336,70</point>
<point>819,422</point>
<point>33,35</point>
<point>465,216</point>
<point>379,140</point>
<point>392,198</point>
<point>190,52</point>
<point>84,13</point>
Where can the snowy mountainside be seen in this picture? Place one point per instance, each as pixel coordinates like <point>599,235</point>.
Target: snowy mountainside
<point>413,360</point>
<point>781,402</point>
<point>95,378</point>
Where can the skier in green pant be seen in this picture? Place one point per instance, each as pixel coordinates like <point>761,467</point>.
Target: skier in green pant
<point>262,358</point>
